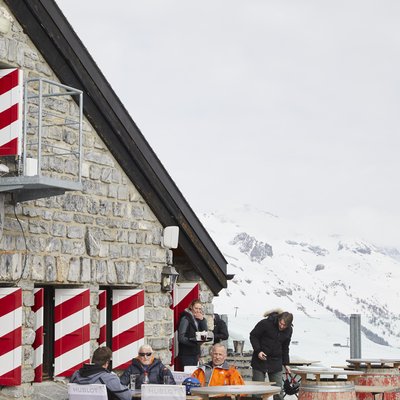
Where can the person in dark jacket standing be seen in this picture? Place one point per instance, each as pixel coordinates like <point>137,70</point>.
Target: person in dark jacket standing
<point>270,340</point>
<point>97,372</point>
<point>145,364</point>
<point>220,329</point>
<point>192,321</point>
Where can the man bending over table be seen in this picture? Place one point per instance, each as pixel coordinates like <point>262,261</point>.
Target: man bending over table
<point>217,372</point>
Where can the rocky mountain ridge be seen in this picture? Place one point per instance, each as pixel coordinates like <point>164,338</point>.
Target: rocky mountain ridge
<point>334,274</point>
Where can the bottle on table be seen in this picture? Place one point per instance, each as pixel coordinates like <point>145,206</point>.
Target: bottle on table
<point>146,378</point>
<point>165,375</point>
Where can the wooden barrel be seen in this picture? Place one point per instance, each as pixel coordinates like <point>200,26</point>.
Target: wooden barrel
<point>379,377</point>
<point>327,390</point>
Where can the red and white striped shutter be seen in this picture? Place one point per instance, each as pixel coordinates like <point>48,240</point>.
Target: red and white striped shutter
<point>71,330</point>
<point>183,294</point>
<point>38,326</point>
<point>11,88</point>
<point>102,307</point>
<point>10,336</point>
<point>127,325</point>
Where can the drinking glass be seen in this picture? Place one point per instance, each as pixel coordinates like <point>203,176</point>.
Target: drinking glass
<point>132,381</point>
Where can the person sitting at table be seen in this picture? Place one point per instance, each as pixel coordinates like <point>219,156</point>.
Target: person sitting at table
<point>97,372</point>
<point>192,320</point>
<point>217,372</point>
<point>146,367</point>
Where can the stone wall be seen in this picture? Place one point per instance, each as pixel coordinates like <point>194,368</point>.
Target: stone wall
<point>242,363</point>
<point>104,235</point>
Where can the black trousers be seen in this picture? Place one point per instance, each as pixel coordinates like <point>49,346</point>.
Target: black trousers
<point>188,360</point>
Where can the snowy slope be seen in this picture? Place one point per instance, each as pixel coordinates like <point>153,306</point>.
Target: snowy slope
<point>322,279</point>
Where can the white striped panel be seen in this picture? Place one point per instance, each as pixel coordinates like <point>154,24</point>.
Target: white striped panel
<point>10,98</point>
<point>39,312</point>
<point>125,322</point>
<point>10,321</point>
<point>176,344</point>
<point>103,315</point>
<point>128,320</point>
<point>38,356</point>
<point>181,290</point>
<point>103,312</point>
<point>79,319</point>
<point>71,358</point>
<point>121,295</point>
<point>72,323</point>
<point>9,132</point>
<point>10,360</point>
<point>126,353</point>
<point>39,318</point>
<point>62,295</point>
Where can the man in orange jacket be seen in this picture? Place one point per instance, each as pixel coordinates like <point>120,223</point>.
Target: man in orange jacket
<point>217,372</point>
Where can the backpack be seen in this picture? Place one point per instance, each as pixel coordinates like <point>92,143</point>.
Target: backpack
<point>189,383</point>
<point>290,385</point>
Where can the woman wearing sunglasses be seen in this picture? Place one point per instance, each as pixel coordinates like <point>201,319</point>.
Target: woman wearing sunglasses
<point>145,365</point>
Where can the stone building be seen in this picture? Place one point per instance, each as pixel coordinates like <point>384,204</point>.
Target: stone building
<point>82,237</point>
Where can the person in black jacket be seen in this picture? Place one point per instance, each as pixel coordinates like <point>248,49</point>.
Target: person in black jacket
<point>146,364</point>
<point>220,329</point>
<point>270,340</point>
<point>97,372</point>
<point>192,321</point>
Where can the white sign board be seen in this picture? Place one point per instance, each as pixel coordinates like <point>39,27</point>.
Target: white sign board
<point>163,392</point>
<point>85,392</point>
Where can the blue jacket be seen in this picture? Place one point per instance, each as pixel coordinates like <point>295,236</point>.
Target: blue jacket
<point>156,372</point>
<point>93,373</point>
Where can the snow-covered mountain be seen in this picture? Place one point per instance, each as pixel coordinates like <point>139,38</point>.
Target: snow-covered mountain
<point>322,279</point>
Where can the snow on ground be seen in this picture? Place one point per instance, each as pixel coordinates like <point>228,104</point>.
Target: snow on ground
<point>313,338</point>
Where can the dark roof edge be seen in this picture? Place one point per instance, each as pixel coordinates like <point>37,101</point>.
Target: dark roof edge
<point>50,31</point>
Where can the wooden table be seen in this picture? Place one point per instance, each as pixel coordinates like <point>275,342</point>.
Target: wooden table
<point>298,362</point>
<point>375,390</point>
<point>258,383</point>
<point>374,362</point>
<point>136,394</point>
<point>234,391</point>
<point>333,372</point>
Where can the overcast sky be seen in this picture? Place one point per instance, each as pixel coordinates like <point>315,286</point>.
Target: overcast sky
<point>291,106</point>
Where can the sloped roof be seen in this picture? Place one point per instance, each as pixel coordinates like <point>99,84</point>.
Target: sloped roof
<point>49,30</point>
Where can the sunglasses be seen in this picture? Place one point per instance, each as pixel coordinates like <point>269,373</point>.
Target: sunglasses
<point>145,354</point>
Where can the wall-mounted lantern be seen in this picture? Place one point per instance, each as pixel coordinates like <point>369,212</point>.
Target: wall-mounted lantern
<point>169,275</point>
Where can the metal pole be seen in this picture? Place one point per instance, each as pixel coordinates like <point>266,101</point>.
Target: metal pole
<point>24,138</point>
<point>80,137</point>
<point>224,318</point>
<point>40,122</point>
<point>355,336</point>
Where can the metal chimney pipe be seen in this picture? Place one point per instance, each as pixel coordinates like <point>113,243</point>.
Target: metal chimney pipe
<point>355,336</point>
